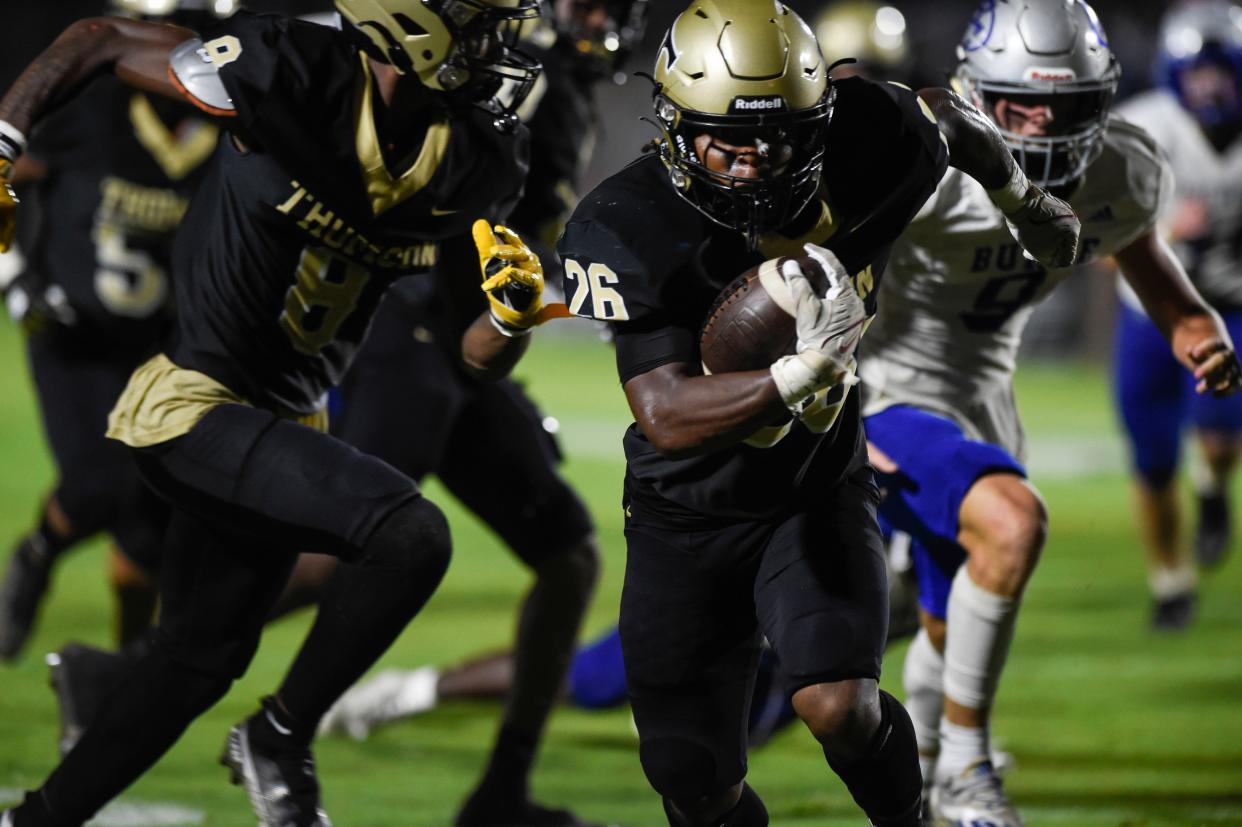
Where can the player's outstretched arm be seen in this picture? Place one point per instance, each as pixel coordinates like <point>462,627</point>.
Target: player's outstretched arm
<point>1196,333</point>
<point>137,52</point>
<point>1045,226</point>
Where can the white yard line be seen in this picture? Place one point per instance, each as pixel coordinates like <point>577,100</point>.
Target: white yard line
<point>133,813</point>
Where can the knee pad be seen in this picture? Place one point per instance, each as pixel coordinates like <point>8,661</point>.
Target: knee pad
<point>411,541</point>
<point>748,812</point>
<point>680,769</point>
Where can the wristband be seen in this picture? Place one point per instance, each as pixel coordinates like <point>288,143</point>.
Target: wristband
<point>1013,195</point>
<point>12,141</point>
<point>507,330</point>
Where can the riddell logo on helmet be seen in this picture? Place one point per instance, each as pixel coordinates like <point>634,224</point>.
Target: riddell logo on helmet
<point>1050,74</point>
<point>740,104</point>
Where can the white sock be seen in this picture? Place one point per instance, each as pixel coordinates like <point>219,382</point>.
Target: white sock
<point>923,679</point>
<point>1168,583</point>
<point>960,746</point>
<point>979,631</point>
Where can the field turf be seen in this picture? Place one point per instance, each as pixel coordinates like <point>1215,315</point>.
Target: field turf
<point>1110,723</point>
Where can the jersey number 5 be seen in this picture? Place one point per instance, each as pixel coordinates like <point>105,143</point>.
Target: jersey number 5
<point>594,283</point>
<point>325,293</point>
<point>128,282</point>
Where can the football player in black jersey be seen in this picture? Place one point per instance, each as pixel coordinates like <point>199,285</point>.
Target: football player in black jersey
<point>113,172</point>
<point>751,510</point>
<point>407,401</point>
<point>355,158</point>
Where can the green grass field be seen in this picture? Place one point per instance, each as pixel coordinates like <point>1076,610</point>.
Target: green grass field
<point>1110,723</point>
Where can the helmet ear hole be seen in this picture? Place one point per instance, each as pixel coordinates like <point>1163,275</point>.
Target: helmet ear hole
<point>409,26</point>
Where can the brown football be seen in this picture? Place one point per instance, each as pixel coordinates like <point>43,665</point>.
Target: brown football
<point>751,323</point>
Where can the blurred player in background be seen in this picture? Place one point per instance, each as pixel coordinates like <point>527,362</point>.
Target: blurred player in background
<point>1195,115</point>
<point>111,174</point>
<point>873,33</point>
<point>737,484</point>
<point>937,365</point>
<point>467,425</point>
<point>406,123</point>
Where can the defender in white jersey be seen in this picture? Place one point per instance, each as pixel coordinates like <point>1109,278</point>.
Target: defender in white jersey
<point>1195,115</point>
<point>937,364</point>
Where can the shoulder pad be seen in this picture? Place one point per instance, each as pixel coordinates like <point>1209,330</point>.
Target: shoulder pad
<point>196,71</point>
<point>1146,167</point>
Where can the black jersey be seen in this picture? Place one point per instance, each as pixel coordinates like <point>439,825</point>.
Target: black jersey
<point>291,242</point>
<point>640,256</point>
<point>121,169</point>
<point>562,134</point>
<point>562,138</point>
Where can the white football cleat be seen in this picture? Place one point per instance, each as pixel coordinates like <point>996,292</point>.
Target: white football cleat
<point>976,798</point>
<point>390,696</point>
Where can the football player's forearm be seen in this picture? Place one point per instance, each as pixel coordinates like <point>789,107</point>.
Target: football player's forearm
<point>975,145</point>
<point>683,415</point>
<point>136,51</point>
<point>487,354</point>
<point>1170,299</point>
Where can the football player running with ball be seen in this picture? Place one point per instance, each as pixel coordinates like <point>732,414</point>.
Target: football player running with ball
<point>736,530</point>
<point>937,365</point>
<point>355,158</point>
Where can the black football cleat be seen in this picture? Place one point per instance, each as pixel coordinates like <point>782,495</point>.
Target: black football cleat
<point>25,583</point>
<point>482,810</point>
<point>1214,533</point>
<point>281,782</point>
<point>1174,614</point>
<point>82,677</point>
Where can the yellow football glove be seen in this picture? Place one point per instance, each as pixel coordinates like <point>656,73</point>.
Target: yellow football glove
<point>512,280</point>
<point>8,207</point>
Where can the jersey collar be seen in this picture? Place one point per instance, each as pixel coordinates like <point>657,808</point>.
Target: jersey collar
<point>383,190</point>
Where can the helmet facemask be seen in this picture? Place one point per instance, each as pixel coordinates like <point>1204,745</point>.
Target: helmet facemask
<point>465,50</point>
<point>789,149</point>
<point>1073,121</point>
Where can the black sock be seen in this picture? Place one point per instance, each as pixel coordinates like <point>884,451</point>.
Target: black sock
<point>886,781</point>
<point>273,729</point>
<point>366,605</point>
<point>44,545</point>
<point>508,770</point>
<point>748,812</point>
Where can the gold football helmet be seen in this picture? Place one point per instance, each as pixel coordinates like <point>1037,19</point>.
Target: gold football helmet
<point>748,73</point>
<point>466,48</point>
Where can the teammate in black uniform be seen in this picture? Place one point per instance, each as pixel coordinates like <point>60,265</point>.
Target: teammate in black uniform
<point>356,158</point>
<point>115,170</point>
<point>740,522</point>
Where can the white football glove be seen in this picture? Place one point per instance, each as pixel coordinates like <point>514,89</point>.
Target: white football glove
<point>828,330</point>
<point>1043,224</point>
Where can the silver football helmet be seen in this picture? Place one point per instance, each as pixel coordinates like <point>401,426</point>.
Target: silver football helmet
<point>1047,54</point>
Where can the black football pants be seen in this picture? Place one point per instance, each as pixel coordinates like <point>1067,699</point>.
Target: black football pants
<point>249,492</point>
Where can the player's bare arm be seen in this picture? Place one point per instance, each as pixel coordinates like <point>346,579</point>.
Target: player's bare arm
<point>135,50</point>
<point>1194,330</point>
<point>683,413</point>
<point>1045,225</point>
